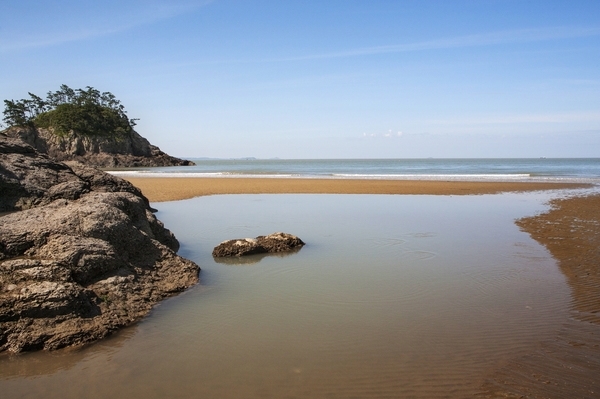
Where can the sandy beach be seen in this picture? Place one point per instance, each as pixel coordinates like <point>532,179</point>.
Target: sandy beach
<point>159,189</point>
<point>566,366</point>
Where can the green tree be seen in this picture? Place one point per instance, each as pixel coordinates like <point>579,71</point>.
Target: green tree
<point>15,113</point>
<point>86,111</point>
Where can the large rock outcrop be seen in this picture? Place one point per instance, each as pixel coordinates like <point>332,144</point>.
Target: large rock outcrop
<point>104,151</point>
<point>81,255</point>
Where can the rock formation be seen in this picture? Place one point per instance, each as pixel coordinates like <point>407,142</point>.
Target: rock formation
<point>102,151</point>
<point>273,243</point>
<point>81,253</point>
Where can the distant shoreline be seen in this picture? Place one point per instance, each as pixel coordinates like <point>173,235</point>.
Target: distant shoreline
<point>160,189</point>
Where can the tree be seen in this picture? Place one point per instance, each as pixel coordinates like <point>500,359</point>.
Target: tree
<point>14,113</point>
<point>62,96</point>
<point>86,111</point>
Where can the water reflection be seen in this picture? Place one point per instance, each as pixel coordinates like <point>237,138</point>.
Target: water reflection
<point>47,363</point>
<point>253,259</point>
<point>395,296</point>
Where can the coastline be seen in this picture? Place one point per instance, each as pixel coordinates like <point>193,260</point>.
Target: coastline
<point>160,189</point>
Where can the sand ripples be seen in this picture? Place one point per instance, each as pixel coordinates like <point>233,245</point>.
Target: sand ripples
<point>563,367</point>
<point>567,364</point>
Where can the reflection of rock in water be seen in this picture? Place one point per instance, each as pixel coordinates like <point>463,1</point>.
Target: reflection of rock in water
<point>43,363</point>
<point>273,243</point>
<point>252,259</point>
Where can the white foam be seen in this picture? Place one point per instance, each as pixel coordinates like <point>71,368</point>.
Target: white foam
<point>434,177</point>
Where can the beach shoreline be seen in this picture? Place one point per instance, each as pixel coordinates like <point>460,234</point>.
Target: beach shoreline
<point>160,189</point>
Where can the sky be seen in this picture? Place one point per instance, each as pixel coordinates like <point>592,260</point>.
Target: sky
<point>323,79</point>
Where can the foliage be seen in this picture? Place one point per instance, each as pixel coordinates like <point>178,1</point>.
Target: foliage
<point>88,112</point>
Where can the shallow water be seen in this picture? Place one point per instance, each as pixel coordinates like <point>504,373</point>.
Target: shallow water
<point>393,296</point>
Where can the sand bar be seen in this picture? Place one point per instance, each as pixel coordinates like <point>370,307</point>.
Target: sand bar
<point>159,189</point>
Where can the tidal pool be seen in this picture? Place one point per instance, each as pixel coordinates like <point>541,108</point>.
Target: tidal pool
<point>392,296</point>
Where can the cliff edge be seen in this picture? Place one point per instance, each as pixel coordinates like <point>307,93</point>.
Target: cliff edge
<point>102,151</point>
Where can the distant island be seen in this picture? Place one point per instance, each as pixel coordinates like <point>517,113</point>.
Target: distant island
<point>83,125</point>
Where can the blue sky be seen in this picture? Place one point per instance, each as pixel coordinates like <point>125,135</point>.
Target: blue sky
<point>324,79</point>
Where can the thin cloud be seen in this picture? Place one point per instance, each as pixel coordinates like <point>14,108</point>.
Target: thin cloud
<point>390,134</point>
<point>476,40</point>
<point>129,19</point>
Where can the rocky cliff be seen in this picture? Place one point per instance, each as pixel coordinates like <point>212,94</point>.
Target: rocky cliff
<point>104,151</point>
<point>81,253</point>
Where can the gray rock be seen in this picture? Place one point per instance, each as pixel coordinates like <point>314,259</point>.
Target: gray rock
<point>273,243</point>
<point>29,179</point>
<point>83,256</point>
<point>131,150</point>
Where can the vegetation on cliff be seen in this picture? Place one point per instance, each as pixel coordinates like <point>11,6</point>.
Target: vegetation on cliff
<point>88,112</point>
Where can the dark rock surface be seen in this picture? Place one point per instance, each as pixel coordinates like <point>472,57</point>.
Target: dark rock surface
<point>273,243</point>
<point>81,256</point>
<point>29,179</point>
<point>131,150</point>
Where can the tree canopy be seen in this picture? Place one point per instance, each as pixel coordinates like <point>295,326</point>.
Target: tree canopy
<point>86,111</point>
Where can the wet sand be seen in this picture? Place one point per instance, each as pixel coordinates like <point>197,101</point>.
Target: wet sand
<point>571,232</point>
<point>159,189</point>
<point>569,365</point>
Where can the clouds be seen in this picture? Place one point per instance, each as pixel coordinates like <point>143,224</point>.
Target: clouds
<point>390,134</point>
<point>474,40</point>
<point>25,27</point>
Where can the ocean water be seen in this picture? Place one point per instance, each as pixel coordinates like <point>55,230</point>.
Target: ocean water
<point>393,296</point>
<point>546,169</point>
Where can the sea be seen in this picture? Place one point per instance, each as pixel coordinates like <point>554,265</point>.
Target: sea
<point>584,170</point>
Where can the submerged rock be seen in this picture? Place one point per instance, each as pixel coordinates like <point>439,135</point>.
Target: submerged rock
<point>273,243</point>
<point>81,256</point>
